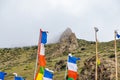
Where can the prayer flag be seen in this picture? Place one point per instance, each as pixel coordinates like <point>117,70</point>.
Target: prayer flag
<point>18,78</point>
<point>72,66</point>
<point>117,35</point>
<point>96,29</point>
<point>48,75</point>
<point>44,37</point>
<point>2,75</point>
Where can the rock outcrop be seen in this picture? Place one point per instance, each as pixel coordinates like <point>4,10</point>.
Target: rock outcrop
<point>105,71</point>
<point>68,42</point>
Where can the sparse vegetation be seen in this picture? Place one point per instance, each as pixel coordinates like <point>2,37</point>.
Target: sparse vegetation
<point>22,60</point>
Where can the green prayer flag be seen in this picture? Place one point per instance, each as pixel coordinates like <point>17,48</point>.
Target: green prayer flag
<point>70,79</point>
<point>42,70</point>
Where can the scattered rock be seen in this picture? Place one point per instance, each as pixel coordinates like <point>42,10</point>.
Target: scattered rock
<point>61,65</point>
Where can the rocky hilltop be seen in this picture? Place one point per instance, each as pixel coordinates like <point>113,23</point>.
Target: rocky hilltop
<point>68,40</point>
<point>68,43</point>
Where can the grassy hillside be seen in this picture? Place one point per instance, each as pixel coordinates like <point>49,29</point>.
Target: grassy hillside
<point>22,60</point>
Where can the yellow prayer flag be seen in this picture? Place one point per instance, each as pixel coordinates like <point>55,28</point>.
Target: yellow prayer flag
<point>39,76</point>
<point>98,62</point>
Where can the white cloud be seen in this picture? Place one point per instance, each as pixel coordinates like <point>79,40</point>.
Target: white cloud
<point>24,17</point>
<point>70,7</point>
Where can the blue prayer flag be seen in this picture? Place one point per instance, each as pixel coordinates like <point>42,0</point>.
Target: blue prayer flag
<point>72,59</point>
<point>117,35</point>
<point>48,75</point>
<point>19,78</point>
<point>44,37</point>
<point>2,75</point>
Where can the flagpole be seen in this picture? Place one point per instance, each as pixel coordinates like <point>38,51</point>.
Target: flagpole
<point>66,69</point>
<point>39,41</point>
<point>36,66</point>
<point>116,65</point>
<point>96,68</point>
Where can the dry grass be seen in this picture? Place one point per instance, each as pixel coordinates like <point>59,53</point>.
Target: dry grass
<point>22,60</point>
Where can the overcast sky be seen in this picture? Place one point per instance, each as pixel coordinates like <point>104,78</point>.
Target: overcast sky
<point>20,20</point>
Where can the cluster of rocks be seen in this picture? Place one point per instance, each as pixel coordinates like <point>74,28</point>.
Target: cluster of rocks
<point>106,70</point>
